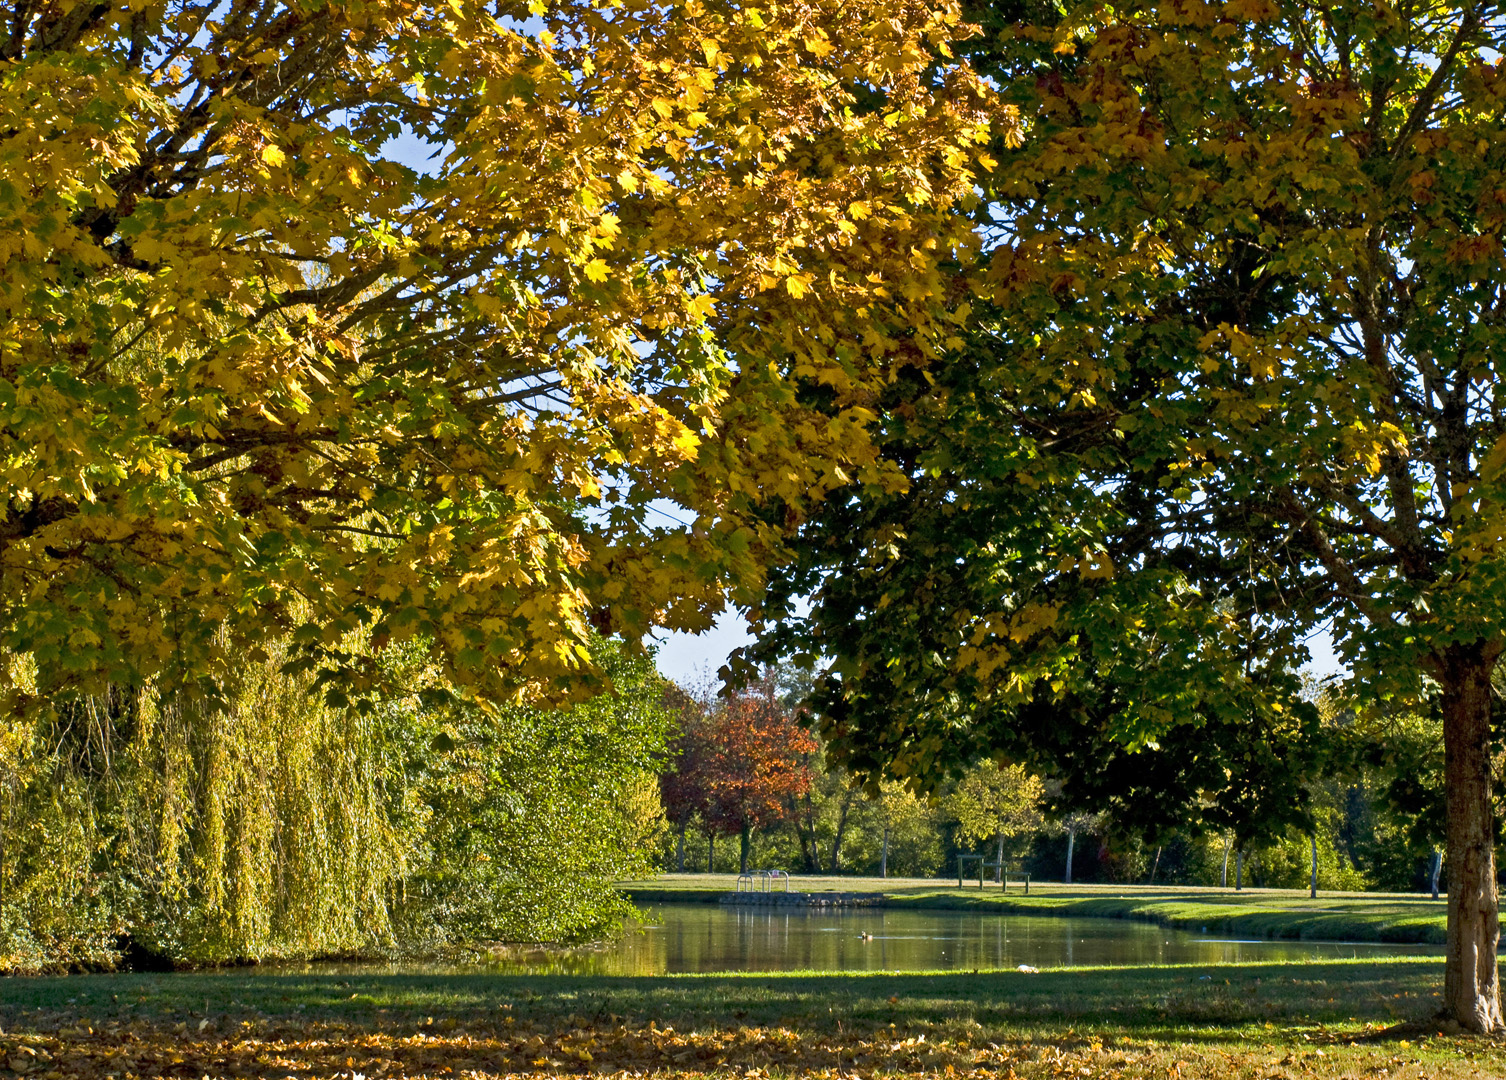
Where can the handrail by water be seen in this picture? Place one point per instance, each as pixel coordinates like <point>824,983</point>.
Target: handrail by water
<point>761,880</point>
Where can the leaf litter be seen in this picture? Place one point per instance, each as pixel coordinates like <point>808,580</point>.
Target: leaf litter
<point>298,1048</point>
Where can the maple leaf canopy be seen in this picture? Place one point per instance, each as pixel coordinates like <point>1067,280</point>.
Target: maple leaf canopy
<point>258,376</point>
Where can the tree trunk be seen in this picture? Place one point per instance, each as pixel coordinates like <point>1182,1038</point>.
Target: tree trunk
<point>812,849</point>
<point>1071,840</point>
<point>746,837</point>
<point>1471,983</point>
<point>999,860</point>
<point>680,850</point>
<point>1437,868</point>
<point>1239,869</point>
<point>1223,879</point>
<point>836,842</point>
<point>1155,865</point>
<point>1312,885</point>
<point>884,855</point>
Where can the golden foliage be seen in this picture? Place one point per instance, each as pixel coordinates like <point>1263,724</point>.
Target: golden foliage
<point>257,375</point>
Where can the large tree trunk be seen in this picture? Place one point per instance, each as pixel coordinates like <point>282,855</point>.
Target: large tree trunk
<point>1071,838</point>
<point>1471,983</point>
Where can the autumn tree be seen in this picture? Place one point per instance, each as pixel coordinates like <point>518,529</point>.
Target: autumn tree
<point>260,378</point>
<point>753,760</point>
<point>998,804</point>
<point>1233,375</point>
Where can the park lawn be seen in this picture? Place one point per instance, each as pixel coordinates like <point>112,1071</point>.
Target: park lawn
<point>1251,1022</point>
<point>1269,913</point>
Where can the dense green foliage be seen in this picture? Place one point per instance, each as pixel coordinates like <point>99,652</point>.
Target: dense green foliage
<point>1231,378</point>
<point>270,824</point>
<point>1369,787</point>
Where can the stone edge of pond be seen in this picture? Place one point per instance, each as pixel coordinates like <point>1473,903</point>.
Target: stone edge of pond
<point>1252,921</point>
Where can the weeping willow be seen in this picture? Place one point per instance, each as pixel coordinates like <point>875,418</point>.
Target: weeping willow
<point>261,823</point>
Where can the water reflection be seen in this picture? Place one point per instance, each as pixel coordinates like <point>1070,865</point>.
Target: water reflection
<point>706,938</point>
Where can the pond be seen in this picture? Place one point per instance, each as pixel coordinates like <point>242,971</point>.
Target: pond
<point>711,937</point>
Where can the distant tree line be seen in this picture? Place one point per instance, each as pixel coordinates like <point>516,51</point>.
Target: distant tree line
<point>1364,791</point>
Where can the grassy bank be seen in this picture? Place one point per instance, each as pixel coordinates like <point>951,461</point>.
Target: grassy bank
<point>1270,913</point>
<point>1338,1019</point>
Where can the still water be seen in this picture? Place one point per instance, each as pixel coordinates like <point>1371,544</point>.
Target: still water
<point>710,937</point>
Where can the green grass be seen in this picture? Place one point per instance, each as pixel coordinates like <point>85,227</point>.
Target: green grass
<point>1328,1019</point>
<point>1271,913</point>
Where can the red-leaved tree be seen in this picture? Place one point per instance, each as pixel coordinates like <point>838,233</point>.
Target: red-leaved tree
<point>759,758</point>
<point>738,763</point>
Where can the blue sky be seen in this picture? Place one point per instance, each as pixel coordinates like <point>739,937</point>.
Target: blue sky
<point>692,659</point>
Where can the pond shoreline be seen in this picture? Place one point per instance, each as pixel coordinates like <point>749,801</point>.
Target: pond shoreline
<point>1340,919</point>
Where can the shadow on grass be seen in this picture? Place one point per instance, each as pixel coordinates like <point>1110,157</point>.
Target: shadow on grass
<point>1134,998</point>
<point>246,1023</point>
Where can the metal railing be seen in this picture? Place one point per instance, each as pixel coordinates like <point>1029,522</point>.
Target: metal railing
<point>762,880</point>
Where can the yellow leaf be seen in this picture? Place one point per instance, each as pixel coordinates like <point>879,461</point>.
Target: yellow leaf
<point>272,155</point>
<point>597,270</point>
<point>795,287</point>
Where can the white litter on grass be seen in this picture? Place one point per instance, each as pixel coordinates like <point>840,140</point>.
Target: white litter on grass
<point>1028,970</point>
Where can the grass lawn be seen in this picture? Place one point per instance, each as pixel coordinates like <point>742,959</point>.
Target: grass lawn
<point>1278,913</point>
<point>1254,1022</point>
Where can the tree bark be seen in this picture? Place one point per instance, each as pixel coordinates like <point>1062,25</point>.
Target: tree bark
<point>1071,839</point>
<point>746,836</point>
<point>999,860</point>
<point>1223,880</point>
<point>1471,982</point>
<point>836,842</point>
<point>1239,869</point>
<point>810,845</point>
<point>1312,888</point>
<point>1437,868</point>
<point>1155,865</point>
